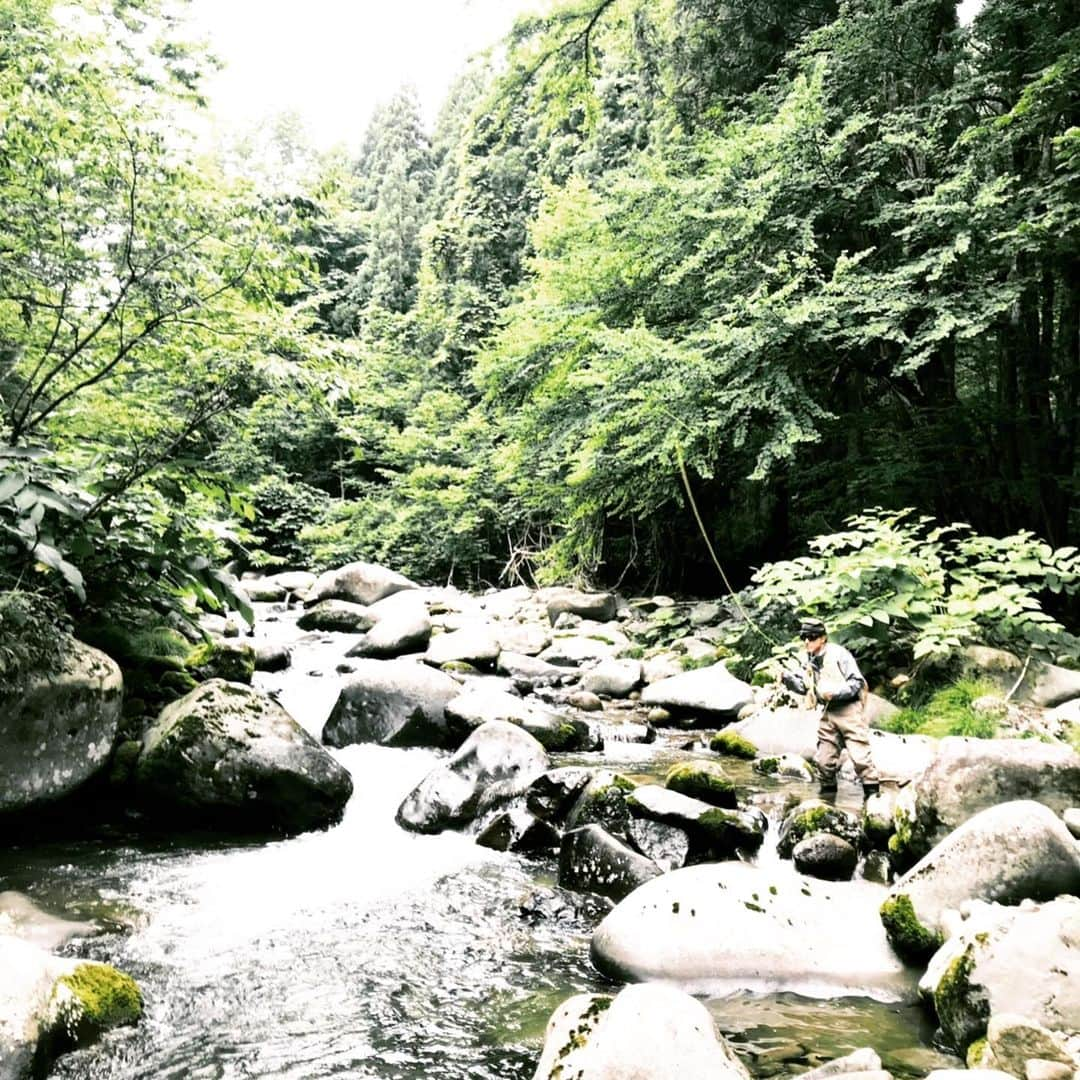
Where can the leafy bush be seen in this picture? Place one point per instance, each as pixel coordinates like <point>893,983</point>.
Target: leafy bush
<point>29,637</point>
<point>896,588</point>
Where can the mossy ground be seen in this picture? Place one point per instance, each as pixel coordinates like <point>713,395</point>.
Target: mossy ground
<point>947,712</point>
<point>913,942</point>
<point>732,745</point>
<point>702,780</point>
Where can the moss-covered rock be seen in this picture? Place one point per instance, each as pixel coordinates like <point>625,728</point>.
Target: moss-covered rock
<point>731,745</point>
<point>813,816</point>
<point>956,1006</point>
<point>912,941</point>
<point>704,780</point>
<point>93,999</point>
<point>603,803</point>
<point>228,660</point>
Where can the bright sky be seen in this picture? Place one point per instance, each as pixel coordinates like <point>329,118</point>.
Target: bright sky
<point>332,61</point>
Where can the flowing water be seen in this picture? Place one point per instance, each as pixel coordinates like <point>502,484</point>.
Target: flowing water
<point>366,951</point>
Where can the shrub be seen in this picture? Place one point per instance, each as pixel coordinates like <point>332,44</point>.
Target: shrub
<point>894,587</point>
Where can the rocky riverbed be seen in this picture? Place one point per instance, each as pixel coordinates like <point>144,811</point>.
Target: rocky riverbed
<point>545,787</point>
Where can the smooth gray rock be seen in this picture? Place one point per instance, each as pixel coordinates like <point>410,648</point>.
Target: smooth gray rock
<point>20,917</point>
<point>1071,817</point>
<point>393,703</point>
<point>646,1033</point>
<point>359,583</point>
<point>1020,960</point>
<point>477,645</point>
<point>236,759</point>
<point>513,663</point>
<point>592,860</point>
<point>294,581</point>
<point>1007,853</point>
<point>340,616</point>
<point>1051,685</point>
<point>495,763</point>
<point>969,775</point>
<point>711,692</point>
<point>401,625</point>
<point>613,678</point>
<point>57,728</point>
<point>263,591</point>
<point>825,856</point>
<point>272,656</point>
<point>525,639</point>
<point>718,928</point>
<point>599,607</point>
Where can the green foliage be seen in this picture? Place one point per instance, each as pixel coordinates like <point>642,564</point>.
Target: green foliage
<point>30,635</point>
<point>948,711</point>
<point>894,586</point>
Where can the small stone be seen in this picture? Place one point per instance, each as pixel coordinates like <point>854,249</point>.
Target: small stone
<point>586,701</point>
<point>658,716</point>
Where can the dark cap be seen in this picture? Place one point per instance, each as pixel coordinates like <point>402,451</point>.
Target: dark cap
<point>811,628</point>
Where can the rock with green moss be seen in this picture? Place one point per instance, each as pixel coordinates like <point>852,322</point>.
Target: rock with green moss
<point>814,816</point>
<point>58,725</point>
<point>714,832</point>
<point>603,802</point>
<point>50,1005</point>
<point>234,759</point>
<point>1017,851</point>
<point>704,780</point>
<point>337,616</point>
<point>785,767</point>
<point>912,941</point>
<point>232,661</point>
<point>650,1032</point>
<point>731,745</point>
<point>997,960</point>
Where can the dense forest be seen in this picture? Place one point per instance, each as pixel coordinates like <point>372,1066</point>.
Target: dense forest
<point>769,262</point>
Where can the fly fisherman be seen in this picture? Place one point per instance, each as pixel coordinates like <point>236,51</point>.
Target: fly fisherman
<point>833,684</point>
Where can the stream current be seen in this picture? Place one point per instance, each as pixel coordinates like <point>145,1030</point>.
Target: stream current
<point>367,951</point>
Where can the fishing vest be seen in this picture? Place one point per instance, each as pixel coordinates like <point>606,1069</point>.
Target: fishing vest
<point>829,678</point>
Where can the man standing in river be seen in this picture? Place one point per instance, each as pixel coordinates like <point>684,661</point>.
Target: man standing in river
<point>833,684</point>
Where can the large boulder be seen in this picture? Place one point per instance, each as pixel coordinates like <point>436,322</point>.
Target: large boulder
<point>359,583</point>
<point>1007,960</point>
<point>230,756</point>
<point>721,927</point>
<point>710,693</point>
<point>401,625</point>
<point>1008,853</point>
<point>49,1005</point>
<point>495,763</point>
<point>969,775</point>
<point>57,727</point>
<point>592,860</point>
<point>1051,685</point>
<point>649,1032</point>
<point>393,703</point>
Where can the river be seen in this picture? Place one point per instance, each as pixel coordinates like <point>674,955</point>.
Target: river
<point>366,951</point>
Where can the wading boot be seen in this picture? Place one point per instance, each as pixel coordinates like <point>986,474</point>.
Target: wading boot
<point>827,790</point>
<point>870,790</point>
